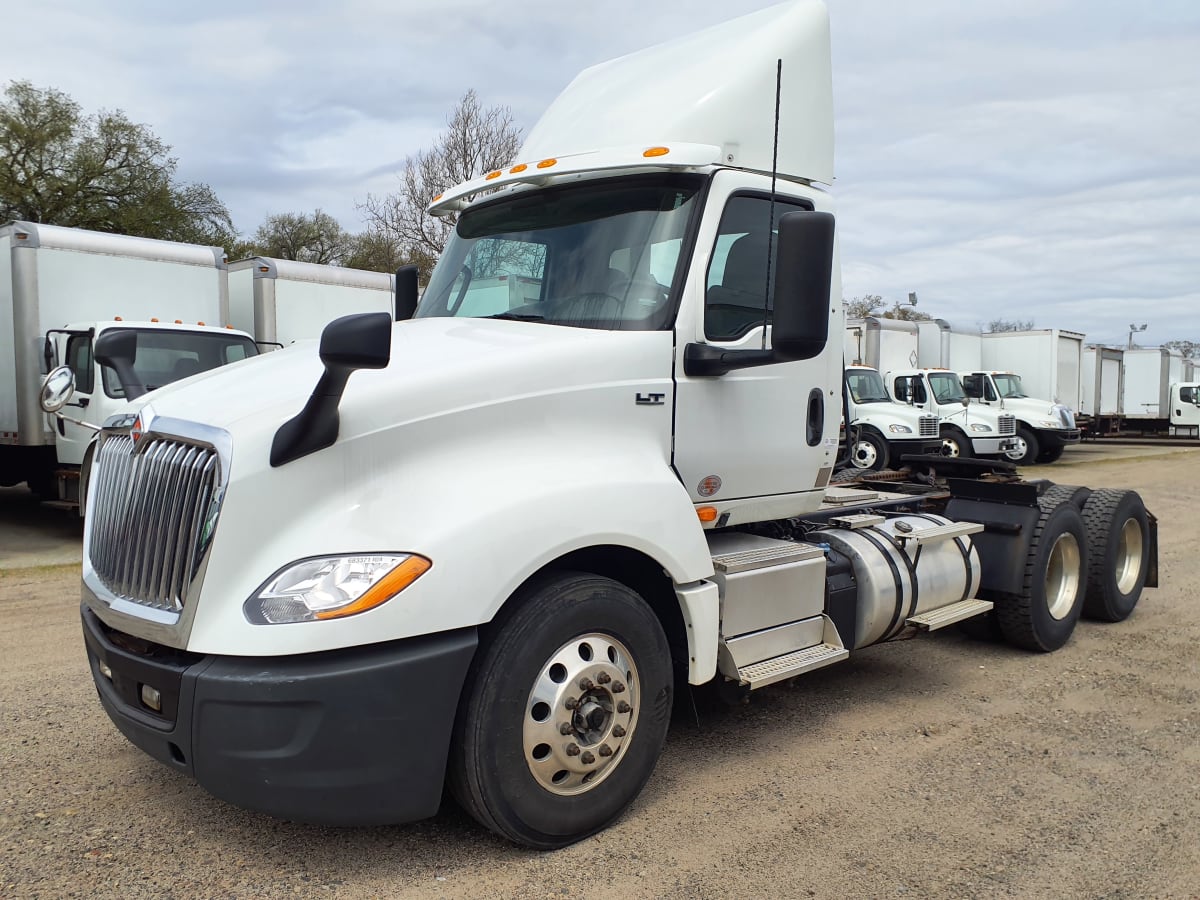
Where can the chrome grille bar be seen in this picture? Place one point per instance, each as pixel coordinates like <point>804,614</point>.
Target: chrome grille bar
<point>1008,424</point>
<point>928,426</point>
<point>151,504</point>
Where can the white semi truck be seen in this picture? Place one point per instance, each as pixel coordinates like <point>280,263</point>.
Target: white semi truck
<point>281,301</point>
<point>60,290</point>
<point>489,549</point>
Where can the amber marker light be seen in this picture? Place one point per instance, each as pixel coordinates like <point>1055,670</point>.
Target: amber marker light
<point>154,318</point>
<point>706,513</point>
<point>199,323</point>
<point>657,151</point>
<point>179,321</point>
<point>547,163</point>
<point>438,197</point>
<point>118,319</point>
<point>383,590</point>
<point>491,175</point>
<point>519,167</point>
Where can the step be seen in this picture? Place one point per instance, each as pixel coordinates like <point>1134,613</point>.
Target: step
<point>789,665</point>
<point>948,615</point>
<point>937,533</point>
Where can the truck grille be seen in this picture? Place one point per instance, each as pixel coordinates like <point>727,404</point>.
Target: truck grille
<point>1008,424</point>
<point>152,515</point>
<point>928,426</point>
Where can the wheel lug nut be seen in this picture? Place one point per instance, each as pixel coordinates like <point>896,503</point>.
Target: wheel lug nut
<point>585,684</point>
<point>564,728</point>
<point>623,707</point>
<point>618,730</point>
<point>605,750</point>
<point>618,687</point>
<point>587,759</point>
<point>572,749</point>
<point>603,678</point>
<point>571,703</point>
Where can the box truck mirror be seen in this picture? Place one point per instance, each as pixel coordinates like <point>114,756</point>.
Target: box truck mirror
<point>117,349</point>
<point>363,341</point>
<point>406,292</point>
<point>800,328</point>
<point>57,388</point>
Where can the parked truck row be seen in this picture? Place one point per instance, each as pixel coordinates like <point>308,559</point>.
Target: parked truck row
<point>183,309</point>
<point>482,548</point>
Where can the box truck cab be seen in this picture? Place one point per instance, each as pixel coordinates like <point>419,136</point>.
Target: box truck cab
<point>1185,408</point>
<point>60,289</point>
<point>882,431</point>
<point>1044,428</point>
<point>484,547</point>
<point>967,429</point>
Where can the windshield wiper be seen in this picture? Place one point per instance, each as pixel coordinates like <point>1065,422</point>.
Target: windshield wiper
<point>517,317</point>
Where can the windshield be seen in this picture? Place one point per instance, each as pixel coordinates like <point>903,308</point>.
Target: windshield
<point>946,387</point>
<point>166,356</point>
<point>866,387</point>
<point>1009,386</point>
<point>604,255</point>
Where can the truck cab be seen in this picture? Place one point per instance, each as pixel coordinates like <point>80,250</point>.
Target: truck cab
<point>883,430</point>
<point>1185,408</point>
<point>166,352</point>
<point>966,429</point>
<point>1044,428</point>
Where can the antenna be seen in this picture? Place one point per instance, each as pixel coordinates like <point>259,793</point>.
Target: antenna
<point>771,217</point>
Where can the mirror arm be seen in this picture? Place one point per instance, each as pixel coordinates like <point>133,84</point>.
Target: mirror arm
<point>704,359</point>
<point>89,425</point>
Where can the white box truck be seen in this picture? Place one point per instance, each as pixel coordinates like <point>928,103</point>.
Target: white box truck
<point>1154,392</point>
<point>486,551</point>
<point>1102,391</point>
<point>281,301</point>
<point>60,290</point>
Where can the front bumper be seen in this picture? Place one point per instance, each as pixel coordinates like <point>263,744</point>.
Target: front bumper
<point>1058,437</point>
<point>347,737</point>
<point>993,445</point>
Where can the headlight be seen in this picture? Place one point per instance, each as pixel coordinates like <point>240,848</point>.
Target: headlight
<point>979,426</point>
<point>899,429</point>
<point>1050,423</point>
<point>331,587</point>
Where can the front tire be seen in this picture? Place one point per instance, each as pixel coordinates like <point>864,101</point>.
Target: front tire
<point>1118,532</point>
<point>566,711</point>
<point>955,444</point>
<point>1027,450</point>
<point>869,453</point>
<point>1044,615</point>
<point>1051,454</point>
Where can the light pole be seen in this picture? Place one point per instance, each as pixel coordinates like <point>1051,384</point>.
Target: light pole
<point>1134,329</point>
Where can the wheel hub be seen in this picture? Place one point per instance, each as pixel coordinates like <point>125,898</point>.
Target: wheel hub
<point>1062,575</point>
<point>1018,453</point>
<point>1129,556</point>
<point>864,455</point>
<point>581,713</point>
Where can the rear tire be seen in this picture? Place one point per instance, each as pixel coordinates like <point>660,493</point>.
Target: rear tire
<point>566,711</point>
<point>1118,532</point>
<point>1043,616</point>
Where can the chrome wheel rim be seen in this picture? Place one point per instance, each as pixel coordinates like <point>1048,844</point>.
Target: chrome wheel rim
<point>1062,576</point>
<point>950,448</point>
<point>581,714</point>
<point>1018,453</point>
<point>865,456</point>
<point>1129,556</point>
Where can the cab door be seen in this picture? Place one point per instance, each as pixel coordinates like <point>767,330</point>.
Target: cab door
<point>757,436</point>
<point>73,440</point>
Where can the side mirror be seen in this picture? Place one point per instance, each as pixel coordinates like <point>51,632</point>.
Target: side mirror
<point>117,349</point>
<point>406,293</point>
<point>362,341</point>
<point>57,388</point>
<point>800,328</point>
<point>966,401</point>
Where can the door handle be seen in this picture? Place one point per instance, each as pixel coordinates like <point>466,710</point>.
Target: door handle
<point>816,417</point>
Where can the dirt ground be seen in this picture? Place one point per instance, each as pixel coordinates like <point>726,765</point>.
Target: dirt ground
<point>936,767</point>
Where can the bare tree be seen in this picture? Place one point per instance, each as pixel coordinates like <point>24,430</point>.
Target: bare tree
<point>1010,325</point>
<point>866,305</point>
<point>316,238</point>
<point>476,141</point>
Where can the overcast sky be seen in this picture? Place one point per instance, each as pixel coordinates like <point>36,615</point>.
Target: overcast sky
<point>1031,159</point>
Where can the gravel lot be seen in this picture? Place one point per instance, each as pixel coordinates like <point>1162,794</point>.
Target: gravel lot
<point>929,768</point>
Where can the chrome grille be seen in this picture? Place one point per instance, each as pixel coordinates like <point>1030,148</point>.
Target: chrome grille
<point>928,426</point>
<point>152,514</point>
<point>1008,424</point>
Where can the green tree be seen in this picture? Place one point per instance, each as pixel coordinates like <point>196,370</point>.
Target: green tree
<point>476,141</point>
<point>316,238</point>
<point>102,172</point>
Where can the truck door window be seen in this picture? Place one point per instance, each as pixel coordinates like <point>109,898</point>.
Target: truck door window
<point>738,286</point>
<point>79,358</point>
<point>909,389</point>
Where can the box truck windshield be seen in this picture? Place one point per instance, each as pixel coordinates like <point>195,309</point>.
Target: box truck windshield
<point>595,256</point>
<point>866,387</point>
<point>167,356</point>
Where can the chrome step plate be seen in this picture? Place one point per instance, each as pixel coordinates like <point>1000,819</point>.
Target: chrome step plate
<point>948,615</point>
<point>790,664</point>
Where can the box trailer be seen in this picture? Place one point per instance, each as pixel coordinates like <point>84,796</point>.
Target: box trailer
<point>281,301</point>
